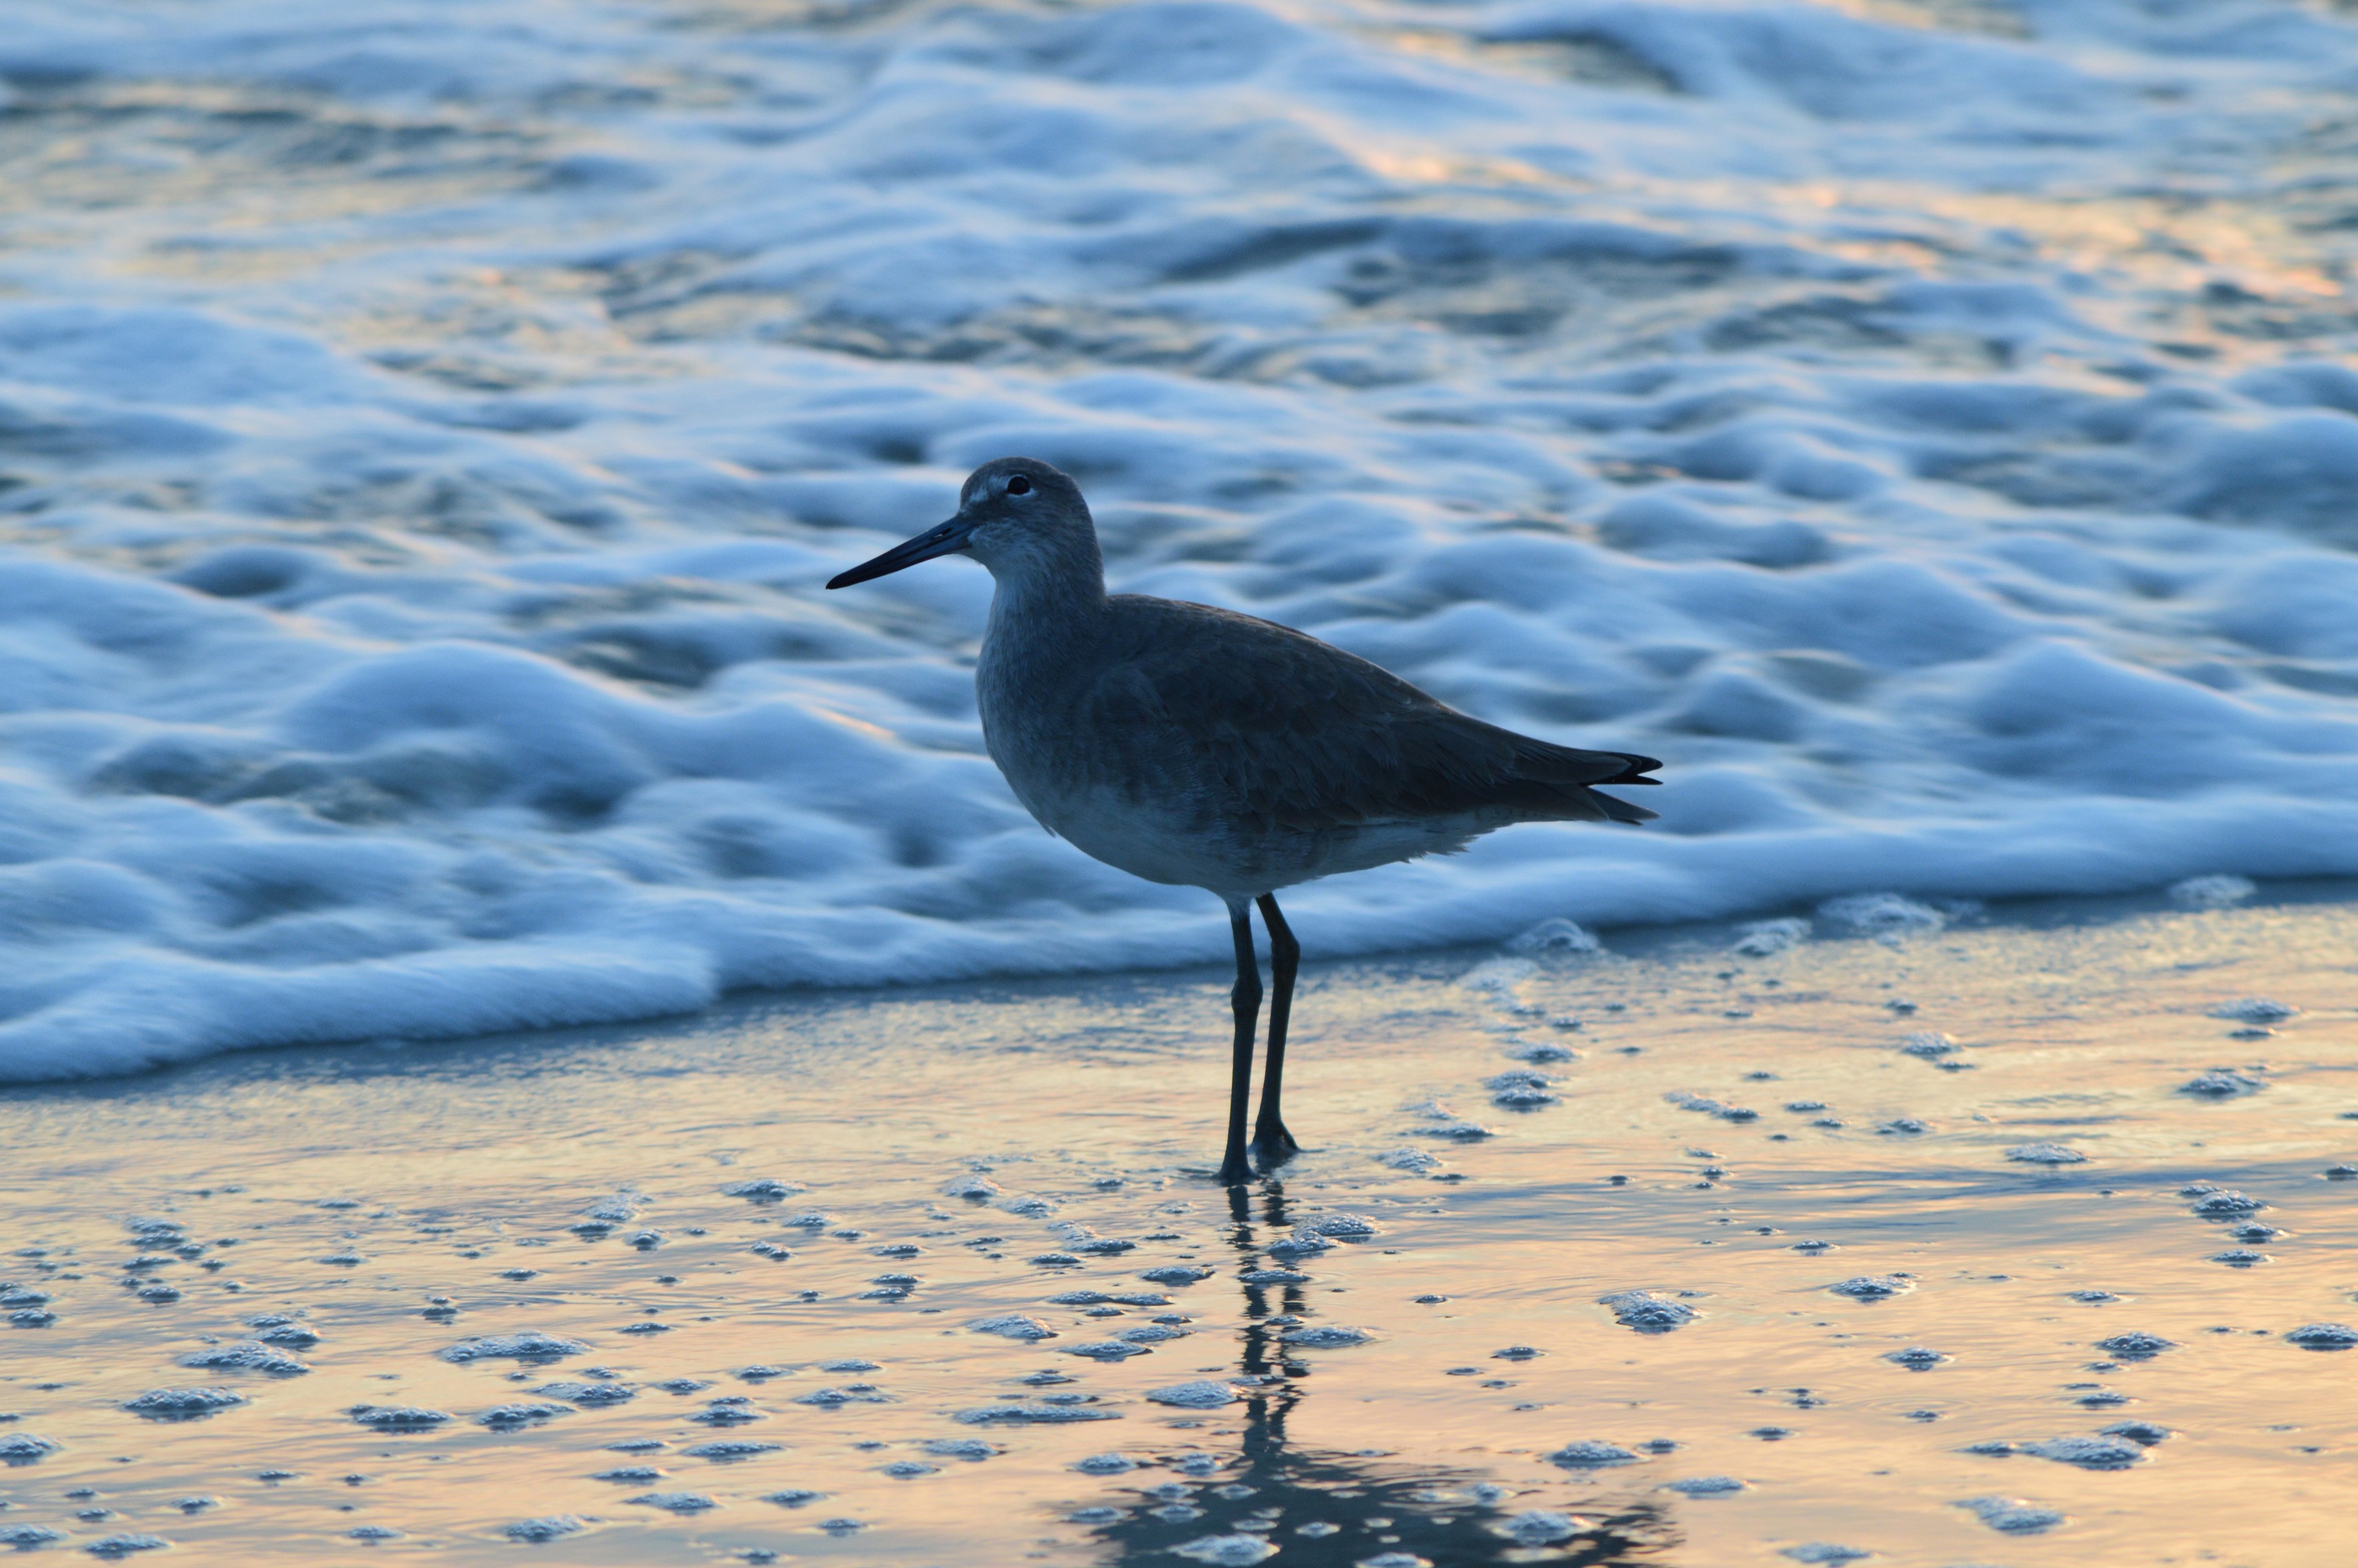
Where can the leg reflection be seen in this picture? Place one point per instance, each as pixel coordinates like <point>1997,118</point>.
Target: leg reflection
<point>1337,1493</point>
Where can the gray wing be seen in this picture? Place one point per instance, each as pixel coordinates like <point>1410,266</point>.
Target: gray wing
<point>1269,728</point>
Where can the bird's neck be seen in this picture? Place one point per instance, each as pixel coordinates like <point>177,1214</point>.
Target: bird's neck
<point>1053,598</point>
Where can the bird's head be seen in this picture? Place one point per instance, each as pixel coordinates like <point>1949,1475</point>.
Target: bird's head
<point>1018,516</point>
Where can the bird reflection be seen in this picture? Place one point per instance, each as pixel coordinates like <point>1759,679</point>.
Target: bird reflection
<point>1321,1506</point>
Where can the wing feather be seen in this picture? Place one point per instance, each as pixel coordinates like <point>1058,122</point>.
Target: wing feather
<point>1267,728</point>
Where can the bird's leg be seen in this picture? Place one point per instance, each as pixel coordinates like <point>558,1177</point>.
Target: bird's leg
<point>1270,1140</point>
<point>1246,1000</point>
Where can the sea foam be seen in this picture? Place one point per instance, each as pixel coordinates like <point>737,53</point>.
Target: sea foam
<point>410,608</point>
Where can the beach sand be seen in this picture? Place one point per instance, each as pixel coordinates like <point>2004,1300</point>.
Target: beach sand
<point>1396,1353</point>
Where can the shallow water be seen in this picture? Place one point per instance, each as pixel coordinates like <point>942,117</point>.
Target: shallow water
<point>425,424</point>
<point>394,1204</point>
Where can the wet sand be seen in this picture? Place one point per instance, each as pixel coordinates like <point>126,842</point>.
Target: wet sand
<point>1401,1355</point>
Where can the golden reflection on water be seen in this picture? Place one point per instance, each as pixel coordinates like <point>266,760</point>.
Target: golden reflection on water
<point>469,1169</point>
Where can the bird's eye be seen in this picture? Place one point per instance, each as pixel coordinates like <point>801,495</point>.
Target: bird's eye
<point>1018,485</point>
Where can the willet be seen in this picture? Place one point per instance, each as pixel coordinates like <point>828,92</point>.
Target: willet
<point>1202,748</point>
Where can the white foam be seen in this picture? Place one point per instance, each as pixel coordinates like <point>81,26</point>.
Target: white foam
<point>410,620</point>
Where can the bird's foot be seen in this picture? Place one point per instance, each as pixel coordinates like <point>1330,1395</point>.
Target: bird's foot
<point>1234,1171</point>
<point>1274,1145</point>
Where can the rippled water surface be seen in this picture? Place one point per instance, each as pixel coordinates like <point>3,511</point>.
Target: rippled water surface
<point>425,426</point>
<point>1790,1255</point>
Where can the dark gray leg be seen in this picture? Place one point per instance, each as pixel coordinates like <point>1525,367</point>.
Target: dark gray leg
<point>1272,1142</point>
<point>1246,1000</point>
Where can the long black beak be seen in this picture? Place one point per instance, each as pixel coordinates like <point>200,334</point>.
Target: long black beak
<point>946,540</point>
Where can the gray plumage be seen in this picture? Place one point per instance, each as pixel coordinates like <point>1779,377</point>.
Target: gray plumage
<point>1193,745</point>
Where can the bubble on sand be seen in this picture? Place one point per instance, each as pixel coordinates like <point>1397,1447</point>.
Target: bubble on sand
<point>1204,1393</point>
<point>1882,915</point>
<point>396,1418</point>
<point>1106,1465</point>
<point>909,1469</point>
<point>1029,1413</point>
<point>2144,1434</point>
<point>1457,1130</point>
<point>1227,1551</point>
<point>1928,1045</point>
<point>2136,1345</point>
<point>517,1416</point>
<point>1274,1277</point>
<point>27,1537</point>
<point>793,1497</point>
<point>2090,1453</point>
<point>1152,1334</point>
<point>1326,1337</point>
<point>183,1404</point>
<point>1915,1359</point>
<point>1826,1551</point>
<point>1540,1051</point>
<point>1100,1515</point>
<point>2217,892</point>
<point>811,1219</point>
<point>1520,1090</point>
<point>1177,1274</point>
<point>24,1448</point>
<point>283,1332</point>
<point>2046,1155</point>
<point>1647,1311</point>
<point>1767,939</point>
<point>2012,1516</point>
<point>675,1502</point>
<point>1414,1160</point>
<point>246,1356</point>
<point>1342,1227</point>
<point>112,1548</point>
<point>1557,935</point>
<point>1105,1350</point>
<point>529,1345</point>
<point>1873,1287</point>
<point>631,1475</point>
<point>2093,1298</point>
<point>540,1530</point>
<point>372,1532</point>
<point>1589,1454</point>
<point>971,1449</point>
<point>2226,1204</point>
<point>760,1190</point>
<point>738,1410</point>
<point>2254,1009</point>
<point>1302,1243</point>
<point>2239,1257</point>
<point>977,1188</point>
<point>1517,1353</point>
<point>2323,1336</point>
<point>1902,1126</point>
<point>1015,1325</point>
<point>1708,1486</point>
<point>850,1364</point>
<point>1540,1527</point>
<point>2221,1083</point>
<point>590,1394</point>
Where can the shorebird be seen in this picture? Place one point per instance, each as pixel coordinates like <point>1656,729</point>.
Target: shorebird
<point>1198,747</point>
